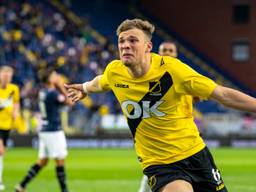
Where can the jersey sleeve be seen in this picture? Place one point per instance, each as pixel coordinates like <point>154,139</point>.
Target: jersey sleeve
<point>104,80</point>
<point>189,82</point>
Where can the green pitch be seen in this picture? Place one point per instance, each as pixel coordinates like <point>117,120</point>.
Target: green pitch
<point>112,170</point>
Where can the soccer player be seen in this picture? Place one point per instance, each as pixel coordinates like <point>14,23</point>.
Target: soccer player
<point>9,110</point>
<point>52,141</point>
<point>168,48</point>
<point>150,90</point>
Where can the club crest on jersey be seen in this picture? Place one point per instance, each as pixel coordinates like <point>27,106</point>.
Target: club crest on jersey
<point>155,88</point>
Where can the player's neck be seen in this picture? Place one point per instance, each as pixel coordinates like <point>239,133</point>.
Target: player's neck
<point>141,68</point>
<point>3,85</point>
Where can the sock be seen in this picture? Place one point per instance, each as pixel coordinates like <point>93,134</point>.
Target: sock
<point>60,170</point>
<point>1,168</point>
<point>30,175</point>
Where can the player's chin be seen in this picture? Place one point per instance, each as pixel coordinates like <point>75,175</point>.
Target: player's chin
<point>127,62</point>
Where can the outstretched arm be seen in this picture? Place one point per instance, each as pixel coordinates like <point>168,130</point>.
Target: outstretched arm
<point>77,92</point>
<point>234,99</point>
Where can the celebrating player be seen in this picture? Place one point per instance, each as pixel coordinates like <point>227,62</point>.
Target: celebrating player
<point>150,89</point>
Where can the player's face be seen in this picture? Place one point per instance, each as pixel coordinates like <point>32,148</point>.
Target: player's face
<point>133,46</point>
<point>6,76</point>
<point>168,49</point>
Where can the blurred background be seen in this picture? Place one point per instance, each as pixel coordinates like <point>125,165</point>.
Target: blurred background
<point>216,38</point>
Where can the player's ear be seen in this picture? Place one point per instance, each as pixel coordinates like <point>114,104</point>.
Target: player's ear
<point>149,47</point>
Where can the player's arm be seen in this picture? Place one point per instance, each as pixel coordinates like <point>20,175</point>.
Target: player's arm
<point>16,104</point>
<point>93,86</point>
<point>77,92</point>
<point>64,98</point>
<point>16,110</point>
<point>234,99</point>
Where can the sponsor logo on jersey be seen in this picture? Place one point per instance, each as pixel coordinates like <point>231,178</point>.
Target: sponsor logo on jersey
<point>144,109</point>
<point>120,85</point>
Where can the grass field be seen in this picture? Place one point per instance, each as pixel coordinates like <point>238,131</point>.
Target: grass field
<point>114,170</point>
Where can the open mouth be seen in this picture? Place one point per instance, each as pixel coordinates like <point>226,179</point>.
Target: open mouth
<point>126,55</point>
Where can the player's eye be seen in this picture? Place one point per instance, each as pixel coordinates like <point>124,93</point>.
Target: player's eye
<point>120,41</point>
<point>133,40</point>
<point>168,50</point>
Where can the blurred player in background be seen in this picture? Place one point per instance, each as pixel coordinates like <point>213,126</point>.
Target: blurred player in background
<point>9,110</point>
<point>52,141</point>
<point>168,48</point>
<point>150,89</point>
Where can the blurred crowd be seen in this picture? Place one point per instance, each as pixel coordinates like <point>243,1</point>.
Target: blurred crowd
<point>36,36</point>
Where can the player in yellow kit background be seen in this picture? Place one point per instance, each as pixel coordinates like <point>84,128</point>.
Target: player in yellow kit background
<point>9,110</point>
<point>150,89</point>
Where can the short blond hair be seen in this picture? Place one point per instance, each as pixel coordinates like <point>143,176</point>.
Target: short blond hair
<point>128,24</point>
<point>6,68</point>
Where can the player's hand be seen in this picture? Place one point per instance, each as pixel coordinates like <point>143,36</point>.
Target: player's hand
<point>75,92</point>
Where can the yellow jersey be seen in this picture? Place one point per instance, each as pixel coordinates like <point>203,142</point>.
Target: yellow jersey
<point>8,97</point>
<point>158,107</point>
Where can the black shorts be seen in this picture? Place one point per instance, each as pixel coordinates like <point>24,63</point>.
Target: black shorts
<point>4,136</point>
<point>199,170</point>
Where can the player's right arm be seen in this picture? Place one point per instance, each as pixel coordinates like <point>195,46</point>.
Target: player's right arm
<point>77,92</point>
